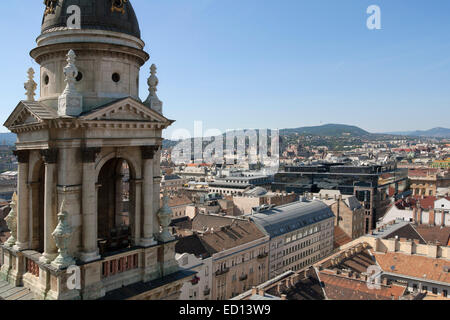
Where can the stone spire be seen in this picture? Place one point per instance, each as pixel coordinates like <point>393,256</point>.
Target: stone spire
<point>62,236</point>
<point>165,218</point>
<point>11,222</point>
<point>153,101</point>
<point>30,85</point>
<point>70,102</point>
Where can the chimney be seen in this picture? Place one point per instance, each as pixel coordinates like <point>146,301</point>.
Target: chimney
<point>419,215</point>
<point>261,292</point>
<point>284,297</point>
<point>254,291</point>
<point>431,220</point>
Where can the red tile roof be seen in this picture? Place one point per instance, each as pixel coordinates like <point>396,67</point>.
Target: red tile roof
<point>414,266</point>
<point>338,287</point>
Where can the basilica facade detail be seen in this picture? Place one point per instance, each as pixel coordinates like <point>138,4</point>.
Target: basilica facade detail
<point>88,194</point>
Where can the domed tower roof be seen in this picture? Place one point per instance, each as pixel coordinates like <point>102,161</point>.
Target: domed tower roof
<point>107,15</point>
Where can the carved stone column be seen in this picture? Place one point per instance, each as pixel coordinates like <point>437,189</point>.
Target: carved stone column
<point>148,154</point>
<point>23,242</point>
<point>136,209</point>
<point>50,220</point>
<point>89,206</point>
<point>156,188</point>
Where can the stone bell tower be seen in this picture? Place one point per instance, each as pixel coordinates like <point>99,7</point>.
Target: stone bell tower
<point>88,200</point>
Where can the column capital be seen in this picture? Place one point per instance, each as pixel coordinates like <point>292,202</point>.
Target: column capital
<point>148,152</point>
<point>89,154</point>
<point>23,156</point>
<point>50,155</point>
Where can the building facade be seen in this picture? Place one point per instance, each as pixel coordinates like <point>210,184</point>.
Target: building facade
<point>300,234</point>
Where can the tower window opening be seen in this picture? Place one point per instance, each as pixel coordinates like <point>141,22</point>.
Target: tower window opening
<point>46,79</point>
<point>116,77</point>
<point>79,76</point>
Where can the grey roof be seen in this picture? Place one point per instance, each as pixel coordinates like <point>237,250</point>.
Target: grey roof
<point>171,177</point>
<point>256,192</point>
<point>352,202</point>
<point>97,15</point>
<point>290,217</point>
<point>41,110</point>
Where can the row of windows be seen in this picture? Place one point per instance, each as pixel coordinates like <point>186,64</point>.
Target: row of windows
<point>115,77</point>
<point>242,259</point>
<point>302,234</point>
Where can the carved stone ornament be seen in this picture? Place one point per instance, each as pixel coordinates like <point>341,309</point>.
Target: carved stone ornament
<point>148,152</point>
<point>50,6</point>
<point>89,154</point>
<point>118,6</point>
<point>70,102</point>
<point>23,156</point>
<point>63,236</point>
<point>165,218</point>
<point>50,155</point>
<point>30,86</point>
<point>11,222</point>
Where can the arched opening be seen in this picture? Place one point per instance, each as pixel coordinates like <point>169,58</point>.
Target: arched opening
<point>37,193</point>
<point>114,206</point>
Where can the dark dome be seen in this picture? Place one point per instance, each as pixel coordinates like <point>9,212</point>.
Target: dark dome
<point>95,14</point>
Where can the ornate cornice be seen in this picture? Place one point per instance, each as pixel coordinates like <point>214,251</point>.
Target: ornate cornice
<point>23,156</point>
<point>89,154</point>
<point>50,155</point>
<point>148,152</point>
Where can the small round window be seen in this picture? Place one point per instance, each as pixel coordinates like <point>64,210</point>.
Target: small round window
<point>116,77</point>
<point>46,79</point>
<point>79,76</point>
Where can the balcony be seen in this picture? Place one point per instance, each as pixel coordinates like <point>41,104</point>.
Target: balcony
<point>262,256</point>
<point>195,280</point>
<point>222,271</point>
<point>243,277</point>
<point>207,292</point>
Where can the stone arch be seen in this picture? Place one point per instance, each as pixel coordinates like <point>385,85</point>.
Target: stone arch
<point>115,204</point>
<point>132,162</point>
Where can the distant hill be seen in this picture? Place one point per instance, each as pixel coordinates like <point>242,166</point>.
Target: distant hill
<point>434,133</point>
<point>7,138</point>
<point>329,130</point>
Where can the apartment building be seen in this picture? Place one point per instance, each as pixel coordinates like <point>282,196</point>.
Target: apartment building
<point>301,233</point>
<point>238,250</point>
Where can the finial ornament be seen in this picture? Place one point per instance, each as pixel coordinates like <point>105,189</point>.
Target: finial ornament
<point>11,222</point>
<point>70,102</point>
<point>63,236</point>
<point>153,101</point>
<point>30,85</point>
<point>153,81</point>
<point>165,218</point>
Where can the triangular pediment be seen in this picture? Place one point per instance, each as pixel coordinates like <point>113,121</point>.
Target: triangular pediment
<point>126,109</point>
<point>29,113</point>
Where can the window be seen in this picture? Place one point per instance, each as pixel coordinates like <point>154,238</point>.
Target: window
<point>435,291</point>
<point>79,76</point>
<point>445,293</point>
<point>115,77</point>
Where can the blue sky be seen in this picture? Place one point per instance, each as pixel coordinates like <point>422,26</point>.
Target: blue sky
<point>276,64</point>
